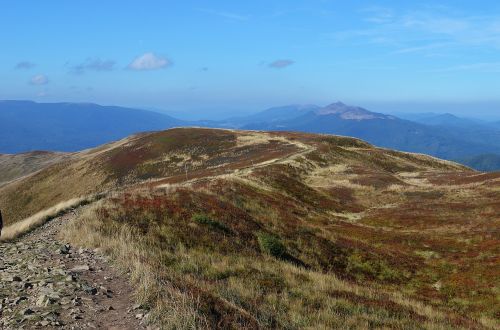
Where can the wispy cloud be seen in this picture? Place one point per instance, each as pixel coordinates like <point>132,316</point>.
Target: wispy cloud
<point>281,64</point>
<point>149,61</point>
<point>93,64</point>
<point>25,65</point>
<point>379,15</point>
<point>434,24</point>
<point>39,79</point>
<point>424,29</point>
<point>488,67</point>
<point>416,49</point>
<point>224,14</point>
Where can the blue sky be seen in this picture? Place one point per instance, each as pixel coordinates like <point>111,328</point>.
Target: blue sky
<point>230,57</point>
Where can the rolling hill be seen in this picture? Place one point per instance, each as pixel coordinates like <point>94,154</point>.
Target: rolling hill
<point>246,229</point>
<point>16,166</point>
<point>28,126</point>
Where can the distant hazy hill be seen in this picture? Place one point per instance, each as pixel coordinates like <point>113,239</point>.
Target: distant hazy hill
<point>277,114</point>
<point>442,119</point>
<point>441,140</point>
<point>27,126</point>
<point>488,162</point>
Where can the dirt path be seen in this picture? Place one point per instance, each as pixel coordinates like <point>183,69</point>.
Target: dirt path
<point>45,283</point>
<point>303,149</point>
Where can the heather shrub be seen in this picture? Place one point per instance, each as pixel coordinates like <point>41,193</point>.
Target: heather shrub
<point>271,245</point>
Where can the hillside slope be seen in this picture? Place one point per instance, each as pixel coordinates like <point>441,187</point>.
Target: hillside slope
<point>26,126</point>
<point>16,166</point>
<point>284,230</point>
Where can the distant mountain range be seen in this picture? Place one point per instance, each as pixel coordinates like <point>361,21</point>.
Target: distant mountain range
<point>456,141</point>
<point>26,126</point>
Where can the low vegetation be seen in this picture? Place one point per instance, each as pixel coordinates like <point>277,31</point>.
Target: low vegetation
<point>191,284</point>
<point>285,230</point>
<point>271,245</point>
<point>204,219</point>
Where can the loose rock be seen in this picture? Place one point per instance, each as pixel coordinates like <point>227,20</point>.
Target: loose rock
<point>41,287</point>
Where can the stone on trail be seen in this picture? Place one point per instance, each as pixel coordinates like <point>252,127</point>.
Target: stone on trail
<point>27,311</point>
<point>65,249</point>
<point>80,269</point>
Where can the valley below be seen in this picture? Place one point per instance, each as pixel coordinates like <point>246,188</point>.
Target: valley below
<point>214,228</point>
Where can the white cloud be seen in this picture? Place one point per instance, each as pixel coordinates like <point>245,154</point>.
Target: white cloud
<point>149,61</point>
<point>280,64</point>
<point>39,79</point>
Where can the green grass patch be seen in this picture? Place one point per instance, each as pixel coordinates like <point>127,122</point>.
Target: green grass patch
<point>206,220</point>
<point>271,245</point>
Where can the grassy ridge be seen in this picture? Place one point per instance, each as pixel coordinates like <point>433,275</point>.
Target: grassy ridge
<point>291,230</point>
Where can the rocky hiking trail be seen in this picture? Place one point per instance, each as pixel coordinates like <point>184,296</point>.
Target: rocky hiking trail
<point>46,283</point>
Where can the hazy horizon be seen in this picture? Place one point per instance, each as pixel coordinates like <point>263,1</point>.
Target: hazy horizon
<point>478,111</point>
<point>209,60</point>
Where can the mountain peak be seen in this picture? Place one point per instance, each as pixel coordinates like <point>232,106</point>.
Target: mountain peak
<point>350,112</point>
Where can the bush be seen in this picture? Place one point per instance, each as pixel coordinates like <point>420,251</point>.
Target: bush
<point>359,267</point>
<point>204,219</point>
<point>271,245</point>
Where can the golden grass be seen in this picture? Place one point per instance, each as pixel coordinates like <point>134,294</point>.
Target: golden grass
<point>18,166</point>
<point>24,226</point>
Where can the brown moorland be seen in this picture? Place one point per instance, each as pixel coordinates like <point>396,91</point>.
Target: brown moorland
<point>283,230</point>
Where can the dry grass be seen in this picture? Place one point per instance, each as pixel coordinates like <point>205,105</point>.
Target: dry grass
<point>169,306</point>
<point>197,287</point>
<point>356,217</point>
<point>24,226</point>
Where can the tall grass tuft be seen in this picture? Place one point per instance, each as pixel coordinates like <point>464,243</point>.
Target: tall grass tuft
<point>22,227</point>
